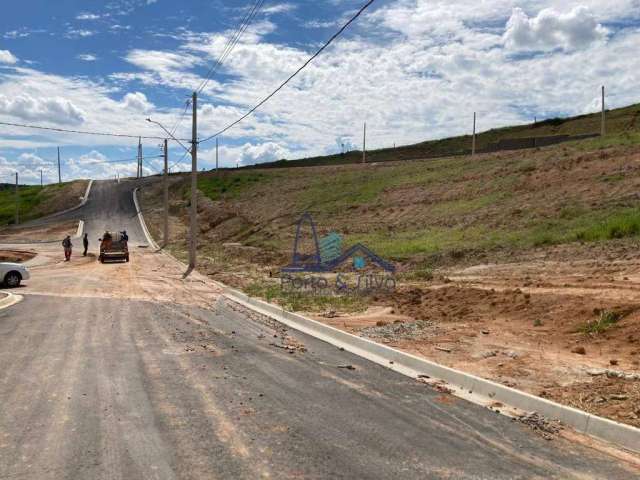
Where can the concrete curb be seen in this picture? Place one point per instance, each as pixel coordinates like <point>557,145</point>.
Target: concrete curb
<point>475,389</point>
<point>143,224</point>
<point>9,299</point>
<point>80,229</point>
<point>82,203</point>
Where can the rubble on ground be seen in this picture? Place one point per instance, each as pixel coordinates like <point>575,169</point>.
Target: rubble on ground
<point>401,330</point>
<point>549,429</point>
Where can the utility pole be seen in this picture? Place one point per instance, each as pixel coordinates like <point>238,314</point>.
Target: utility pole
<point>41,183</point>
<point>194,184</point>
<point>473,141</point>
<point>602,127</point>
<point>17,201</point>
<point>364,144</point>
<point>216,154</point>
<point>166,192</point>
<point>139,172</point>
<point>59,174</point>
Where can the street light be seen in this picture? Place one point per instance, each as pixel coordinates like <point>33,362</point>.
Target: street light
<point>168,133</point>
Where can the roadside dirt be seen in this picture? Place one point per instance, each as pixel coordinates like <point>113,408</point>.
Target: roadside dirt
<point>523,324</point>
<point>16,256</point>
<point>40,233</point>
<point>148,276</point>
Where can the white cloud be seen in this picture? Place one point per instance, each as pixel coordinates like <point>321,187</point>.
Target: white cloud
<point>242,155</point>
<point>320,24</point>
<point>278,8</point>
<point>550,29</point>
<point>87,57</point>
<point>138,102</point>
<point>163,68</point>
<point>261,153</point>
<point>7,57</point>
<point>87,16</point>
<point>79,33</point>
<point>51,109</point>
<point>414,69</point>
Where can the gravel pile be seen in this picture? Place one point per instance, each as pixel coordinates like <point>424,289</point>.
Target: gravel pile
<point>408,330</point>
<point>547,428</point>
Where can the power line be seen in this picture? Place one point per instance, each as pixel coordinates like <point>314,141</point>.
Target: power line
<point>179,161</point>
<point>184,112</point>
<point>81,132</point>
<point>233,41</point>
<point>88,162</point>
<point>268,97</point>
<point>100,162</point>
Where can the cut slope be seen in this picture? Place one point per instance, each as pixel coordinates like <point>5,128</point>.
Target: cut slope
<point>36,201</point>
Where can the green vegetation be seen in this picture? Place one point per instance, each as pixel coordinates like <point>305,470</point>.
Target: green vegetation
<point>331,194</point>
<point>572,225</point>
<point>625,139</point>
<point>605,320</point>
<point>31,197</point>
<point>305,302</point>
<point>441,210</point>
<point>419,274</point>
<point>228,185</point>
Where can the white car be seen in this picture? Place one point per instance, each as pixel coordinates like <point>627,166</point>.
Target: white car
<point>11,274</point>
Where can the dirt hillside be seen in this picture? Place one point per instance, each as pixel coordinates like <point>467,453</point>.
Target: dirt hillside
<point>519,266</point>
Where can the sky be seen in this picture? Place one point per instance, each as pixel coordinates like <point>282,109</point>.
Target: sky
<point>412,69</point>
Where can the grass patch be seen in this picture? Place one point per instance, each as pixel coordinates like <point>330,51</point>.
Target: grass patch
<point>229,185</point>
<point>605,320</point>
<point>616,177</point>
<point>464,206</point>
<point>418,275</point>
<point>574,225</point>
<point>299,301</point>
<point>31,197</point>
<point>621,224</point>
<point>625,139</point>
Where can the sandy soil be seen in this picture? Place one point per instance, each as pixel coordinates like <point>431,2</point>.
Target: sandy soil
<point>40,233</point>
<point>148,276</point>
<point>16,256</point>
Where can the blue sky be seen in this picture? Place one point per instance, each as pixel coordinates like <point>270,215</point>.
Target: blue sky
<point>413,69</point>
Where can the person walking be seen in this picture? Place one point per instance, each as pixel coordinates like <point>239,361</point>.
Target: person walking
<point>68,246</point>
<point>85,243</point>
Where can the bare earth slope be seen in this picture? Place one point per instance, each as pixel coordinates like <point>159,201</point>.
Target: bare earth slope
<point>524,265</point>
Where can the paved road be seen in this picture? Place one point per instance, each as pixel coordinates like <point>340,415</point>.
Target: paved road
<point>92,388</point>
<point>110,207</point>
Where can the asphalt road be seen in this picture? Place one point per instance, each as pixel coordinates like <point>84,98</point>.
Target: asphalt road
<point>93,388</point>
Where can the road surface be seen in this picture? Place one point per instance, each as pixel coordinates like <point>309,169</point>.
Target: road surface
<point>169,380</point>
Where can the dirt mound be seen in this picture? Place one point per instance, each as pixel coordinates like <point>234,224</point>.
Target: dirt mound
<point>16,256</point>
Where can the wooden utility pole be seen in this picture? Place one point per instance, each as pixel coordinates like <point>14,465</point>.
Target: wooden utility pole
<point>193,241</point>
<point>17,201</point>
<point>602,127</point>
<point>166,192</point>
<point>473,140</point>
<point>364,144</point>
<point>59,172</point>
<point>216,154</point>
